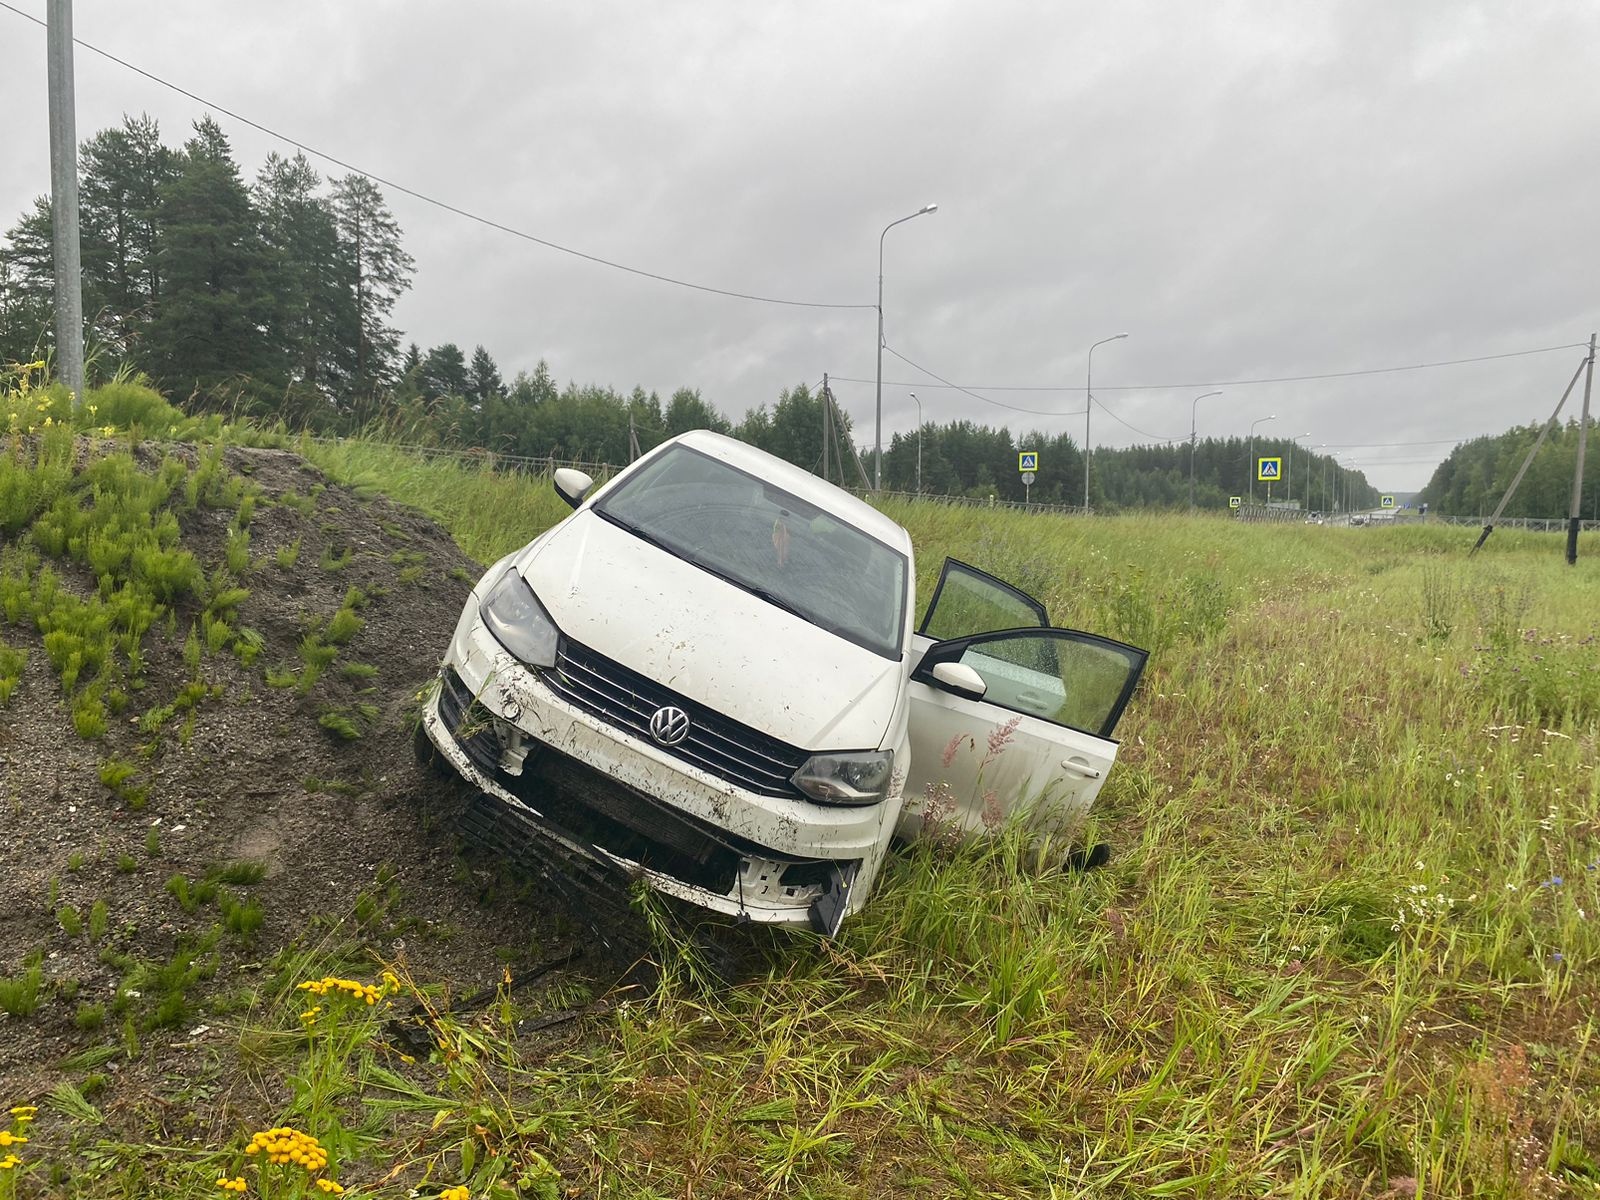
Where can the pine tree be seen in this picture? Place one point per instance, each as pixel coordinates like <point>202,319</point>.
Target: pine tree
<point>123,172</point>
<point>483,379</point>
<point>444,372</point>
<point>27,287</point>
<point>377,271</point>
<point>210,325</point>
<point>310,298</point>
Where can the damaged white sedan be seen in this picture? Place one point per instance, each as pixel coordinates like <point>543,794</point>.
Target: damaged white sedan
<point>709,676</point>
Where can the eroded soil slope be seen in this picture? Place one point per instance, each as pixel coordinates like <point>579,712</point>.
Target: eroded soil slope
<point>253,808</point>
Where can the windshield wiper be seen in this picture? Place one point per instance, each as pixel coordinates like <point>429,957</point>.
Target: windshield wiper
<point>644,535</point>
<point>772,598</point>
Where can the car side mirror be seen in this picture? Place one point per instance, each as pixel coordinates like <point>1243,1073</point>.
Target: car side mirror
<point>960,679</point>
<point>572,486</point>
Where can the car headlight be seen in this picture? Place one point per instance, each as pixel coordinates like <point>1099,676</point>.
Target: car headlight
<point>850,778</point>
<point>519,622</point>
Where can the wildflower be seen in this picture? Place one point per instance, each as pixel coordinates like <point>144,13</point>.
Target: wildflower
<point>455,1193</point>
<point>9,1161</point>
<point>236,1184</point>
<point>309,1017</point>
<point>1000,736</point>
<point>7,1138</point>
<point>286,1145</point>
<point>25,1112</point>
<point>329,1186</point>
<point>330,985</point>
<point>950,749</point>
<point>1556,956</point>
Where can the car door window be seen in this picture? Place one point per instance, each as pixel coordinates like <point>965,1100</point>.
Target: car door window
<point>968,601</point>
<point>1067,678</point>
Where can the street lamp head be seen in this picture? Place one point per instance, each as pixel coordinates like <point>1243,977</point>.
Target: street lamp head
<point>928,208</point>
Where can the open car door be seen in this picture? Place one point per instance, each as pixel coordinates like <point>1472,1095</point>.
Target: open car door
<point>1022,727</point>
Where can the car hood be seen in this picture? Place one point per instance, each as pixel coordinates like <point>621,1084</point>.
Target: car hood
<point>710,641</point>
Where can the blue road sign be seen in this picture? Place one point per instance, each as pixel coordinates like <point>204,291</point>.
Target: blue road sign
<point>1028,460</point>
<point>1269,468</point>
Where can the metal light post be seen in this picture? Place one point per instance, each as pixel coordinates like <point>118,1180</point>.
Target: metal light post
<point>1253,424</point>
<point>1288,468</point>
<point>1088,408</point>
<point>918,403</point>
<point>877,441</point>
<point>1194,410</point>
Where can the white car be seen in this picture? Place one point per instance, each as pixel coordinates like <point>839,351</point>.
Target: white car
<point>709,676</point>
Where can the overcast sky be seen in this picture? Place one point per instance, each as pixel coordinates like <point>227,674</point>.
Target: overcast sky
<point>1249,190</point>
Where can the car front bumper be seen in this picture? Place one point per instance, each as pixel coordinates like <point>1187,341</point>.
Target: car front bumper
<point>604,793</point>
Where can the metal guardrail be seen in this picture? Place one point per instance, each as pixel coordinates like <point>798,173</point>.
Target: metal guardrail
<point>491,459</point>
<point>973,502</point>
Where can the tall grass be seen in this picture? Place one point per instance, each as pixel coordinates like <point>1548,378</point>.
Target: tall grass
<point>1346,946</point>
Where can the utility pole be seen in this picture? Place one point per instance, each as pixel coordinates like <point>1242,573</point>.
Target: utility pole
<point>1577,479</point>
<point>64,198</point>
<point>826,412</point>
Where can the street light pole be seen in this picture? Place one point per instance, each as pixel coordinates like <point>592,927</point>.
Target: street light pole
<point>918,403</point>
<point>1288,469</point>
<point>1194,410</point>
<point>877,453</point>
<point>1252,469</point>
<point>1088,408</point>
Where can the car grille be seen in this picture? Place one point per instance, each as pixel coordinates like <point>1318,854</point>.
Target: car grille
<point>627,700</point>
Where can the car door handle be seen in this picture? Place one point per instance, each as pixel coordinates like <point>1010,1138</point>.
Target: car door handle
<point>1079,768</point>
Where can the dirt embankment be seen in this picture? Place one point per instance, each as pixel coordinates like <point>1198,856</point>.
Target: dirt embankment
<point>242,815</point>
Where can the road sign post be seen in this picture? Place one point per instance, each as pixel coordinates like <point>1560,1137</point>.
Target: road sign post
<point>1028,468</point>
<point>1270,469</point>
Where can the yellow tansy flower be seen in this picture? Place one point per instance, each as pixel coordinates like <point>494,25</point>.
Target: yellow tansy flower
<point>7,1138</point>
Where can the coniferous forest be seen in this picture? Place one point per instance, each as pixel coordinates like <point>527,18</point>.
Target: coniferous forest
<point>274,299</point>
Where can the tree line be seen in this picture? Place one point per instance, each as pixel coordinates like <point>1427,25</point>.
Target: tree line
<point>274,299</point>
<point>1474,476</point>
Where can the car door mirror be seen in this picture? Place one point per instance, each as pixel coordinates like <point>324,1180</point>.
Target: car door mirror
<point>960,679</point>
<point>572,486</point>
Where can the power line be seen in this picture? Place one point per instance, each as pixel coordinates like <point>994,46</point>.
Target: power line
<point>945,382</point>
<point>1216,383</point>
<point>442,204</point>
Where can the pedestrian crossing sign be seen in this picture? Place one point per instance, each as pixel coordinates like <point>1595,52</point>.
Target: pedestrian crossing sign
<point>1386,502</point>
<point>1270,469</point>
<point>1027,460</point>
<point>1235,501</point>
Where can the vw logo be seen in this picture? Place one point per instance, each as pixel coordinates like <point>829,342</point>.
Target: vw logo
<point>669,725</point>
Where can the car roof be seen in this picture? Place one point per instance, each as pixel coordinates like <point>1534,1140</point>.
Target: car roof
<point>802,483</point>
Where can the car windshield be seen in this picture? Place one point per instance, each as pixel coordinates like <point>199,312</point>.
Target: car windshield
<point>767,541</point>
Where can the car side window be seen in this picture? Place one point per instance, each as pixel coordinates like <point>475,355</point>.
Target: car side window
<point>1067,678</point>
<point>968,601</point>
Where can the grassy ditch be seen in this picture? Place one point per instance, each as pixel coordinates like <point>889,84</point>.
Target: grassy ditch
<point>1345,946</point>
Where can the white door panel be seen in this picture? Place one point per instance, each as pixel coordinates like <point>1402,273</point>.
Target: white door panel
<point>974,765</point>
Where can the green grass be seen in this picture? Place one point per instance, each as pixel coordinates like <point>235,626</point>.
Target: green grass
<point>1329,958</point>
<point>1345,947</point>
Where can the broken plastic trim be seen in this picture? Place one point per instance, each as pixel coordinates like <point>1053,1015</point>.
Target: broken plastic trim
<point>827,910</point>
